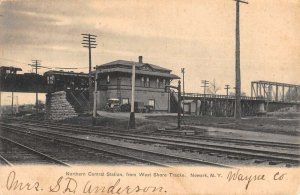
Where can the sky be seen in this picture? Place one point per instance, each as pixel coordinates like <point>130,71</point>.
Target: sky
<point>198,35</point>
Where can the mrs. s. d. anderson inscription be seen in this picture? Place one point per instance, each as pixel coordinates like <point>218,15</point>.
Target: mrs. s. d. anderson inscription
<point>71,185</point>
<point>67,184</point>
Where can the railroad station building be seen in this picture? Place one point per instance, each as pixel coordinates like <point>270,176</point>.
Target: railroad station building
<point>114,81</point>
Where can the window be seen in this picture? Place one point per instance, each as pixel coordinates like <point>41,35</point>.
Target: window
<point>167,82</point>
<point>142,82</point>
<point>147,82</point>
<point>125,101</point>
<point>152,103</point>
<point>107,79</point>
<point>50,80</point>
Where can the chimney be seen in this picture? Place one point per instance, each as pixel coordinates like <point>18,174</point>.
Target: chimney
<point>140,59</point>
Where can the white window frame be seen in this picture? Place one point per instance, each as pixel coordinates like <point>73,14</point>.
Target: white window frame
<point>108,79</point>
<point>150,100</point>
<point>127,99</point>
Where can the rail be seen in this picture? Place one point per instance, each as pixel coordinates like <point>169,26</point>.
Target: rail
<point>141,155</point>
<point>5,160</point>
<point>253,153</point>
<point>232,97</point>
<point>50,158</point>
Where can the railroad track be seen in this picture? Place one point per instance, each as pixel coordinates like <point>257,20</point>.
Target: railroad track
<point>237,141</point>
<point>178,143</point>
<point>184,145</point>
<point>134,136</point>
<point>194,138</point>
<point>17,152</point>
<point>4,161</point>
<point>243,142</point>
<point>142,155</point>
<point>58,149</point>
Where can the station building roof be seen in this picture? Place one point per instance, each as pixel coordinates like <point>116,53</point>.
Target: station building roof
<point>140,72</point>
<point>125,66</point>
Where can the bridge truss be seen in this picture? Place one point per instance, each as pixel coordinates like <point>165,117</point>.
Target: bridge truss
<point>276,92</point>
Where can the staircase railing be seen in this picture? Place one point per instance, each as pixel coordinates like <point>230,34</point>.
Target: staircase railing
<point>74,101</point>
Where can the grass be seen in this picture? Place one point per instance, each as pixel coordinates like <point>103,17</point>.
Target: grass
<point>262,124</point>
<point>284,123</point>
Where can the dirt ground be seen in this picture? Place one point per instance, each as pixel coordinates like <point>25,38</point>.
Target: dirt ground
<point>284,123</point>
<point>290,126</point>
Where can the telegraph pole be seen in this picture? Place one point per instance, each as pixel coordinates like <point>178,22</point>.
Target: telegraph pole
<point>178,103</point>
<point>227,88</point>
<point>237,62</point>
<point>205,85</point>
<point>0,103</point>
<point>12,103</point>
<point>132,115</point>
<point>0,91</point>
<point>183,91</point>
<point>17,104</point>
<point>37,65</point>
<point>89,41</point>
<point>95,99</point>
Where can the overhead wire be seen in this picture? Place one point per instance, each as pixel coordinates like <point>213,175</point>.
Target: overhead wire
<point>61,68</point>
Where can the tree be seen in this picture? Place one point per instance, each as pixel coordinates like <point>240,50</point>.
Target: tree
<point>213,89</point>
<point>292,94</point>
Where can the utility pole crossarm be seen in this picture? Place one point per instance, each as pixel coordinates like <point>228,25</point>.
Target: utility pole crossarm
<point>36,64</point>
<point>89,35</point>
<point>89,41</point>
<point>227,87</point>
<point>241,1</point>
<point>205,85</point>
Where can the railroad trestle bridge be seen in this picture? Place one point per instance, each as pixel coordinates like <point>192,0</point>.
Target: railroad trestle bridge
<point>223,105</point>
<point>266,96</point>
